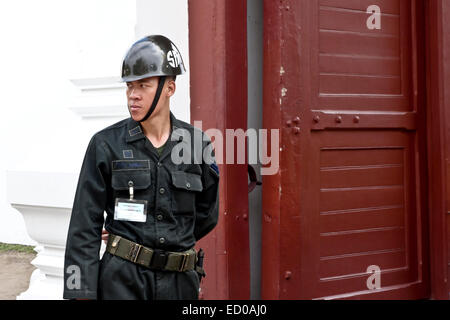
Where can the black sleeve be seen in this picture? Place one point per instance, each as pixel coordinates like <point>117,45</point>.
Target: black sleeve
<point>81,263</point>
<point>207,202</point>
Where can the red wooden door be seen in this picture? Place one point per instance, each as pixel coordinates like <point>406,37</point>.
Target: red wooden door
<point>349,104</point>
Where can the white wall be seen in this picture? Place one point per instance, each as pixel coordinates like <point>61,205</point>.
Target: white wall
<point>169,18</point>
<point>45,45</point>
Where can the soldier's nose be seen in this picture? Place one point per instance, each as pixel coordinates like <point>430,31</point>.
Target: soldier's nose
<point>133,95</point>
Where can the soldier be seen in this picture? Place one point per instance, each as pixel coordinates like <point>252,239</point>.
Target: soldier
<point>156,208</point>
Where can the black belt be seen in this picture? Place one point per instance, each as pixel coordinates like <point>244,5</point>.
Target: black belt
<point>151,258</point>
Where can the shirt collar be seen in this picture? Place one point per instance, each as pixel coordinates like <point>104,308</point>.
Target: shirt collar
<point>135,132</point>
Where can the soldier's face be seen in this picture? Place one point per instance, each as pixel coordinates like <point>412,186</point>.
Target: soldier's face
<point>140,95</point>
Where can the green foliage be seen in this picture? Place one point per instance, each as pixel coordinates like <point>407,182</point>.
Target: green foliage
<point>16,247</point>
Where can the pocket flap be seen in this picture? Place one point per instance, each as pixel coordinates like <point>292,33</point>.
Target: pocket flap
<point>187,181</point>
<point>120,179</point>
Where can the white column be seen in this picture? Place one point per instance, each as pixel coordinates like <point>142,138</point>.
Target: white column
<point>44,199</point>
<point>48,227</point>
<point>46,213</point>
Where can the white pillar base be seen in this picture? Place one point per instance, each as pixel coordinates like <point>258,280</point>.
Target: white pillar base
<point>42,288</point>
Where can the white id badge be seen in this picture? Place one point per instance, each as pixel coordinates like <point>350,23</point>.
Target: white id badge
<point>130,210</point>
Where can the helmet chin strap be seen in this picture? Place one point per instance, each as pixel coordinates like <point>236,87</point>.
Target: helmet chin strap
<point>162,81</point>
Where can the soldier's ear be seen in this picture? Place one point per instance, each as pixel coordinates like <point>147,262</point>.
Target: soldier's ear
<point>171,87</point>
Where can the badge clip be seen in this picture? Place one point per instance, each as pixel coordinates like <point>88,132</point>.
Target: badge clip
<point>131,184</point>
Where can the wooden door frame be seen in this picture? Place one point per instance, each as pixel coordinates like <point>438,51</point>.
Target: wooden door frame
<point>218,62</point>
<point>438,99</point>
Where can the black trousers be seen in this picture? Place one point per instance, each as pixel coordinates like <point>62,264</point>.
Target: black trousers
<point>120,279</point>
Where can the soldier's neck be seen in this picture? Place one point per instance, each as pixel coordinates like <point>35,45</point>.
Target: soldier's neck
<point>157,127</point>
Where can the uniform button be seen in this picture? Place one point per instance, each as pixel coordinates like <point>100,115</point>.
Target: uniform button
<point>159,217</point>
<point>188,185</point>
<point>162,190</point>
<point>162,240</point>
<point>159,164</point>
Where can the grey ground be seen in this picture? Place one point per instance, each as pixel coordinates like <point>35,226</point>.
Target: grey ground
<point>15,272</point>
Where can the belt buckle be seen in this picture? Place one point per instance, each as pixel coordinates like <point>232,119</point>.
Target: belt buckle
<point>159,259</point>
<point>134,252</point>
<point>183,262</point>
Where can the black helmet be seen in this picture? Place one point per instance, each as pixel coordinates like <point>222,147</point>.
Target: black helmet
<point>152,56</point>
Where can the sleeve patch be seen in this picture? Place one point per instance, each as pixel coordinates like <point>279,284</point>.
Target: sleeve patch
<point>214,167</point>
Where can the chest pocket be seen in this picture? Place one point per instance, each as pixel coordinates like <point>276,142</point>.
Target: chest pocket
<point>126,171</point>
<point>185,187</point>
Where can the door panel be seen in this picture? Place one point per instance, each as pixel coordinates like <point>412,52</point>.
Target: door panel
<point>359,68</point>
<point>365,205</point>
<point>349,181</point>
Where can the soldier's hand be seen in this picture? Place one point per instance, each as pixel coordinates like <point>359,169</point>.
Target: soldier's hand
<point>105,236</point>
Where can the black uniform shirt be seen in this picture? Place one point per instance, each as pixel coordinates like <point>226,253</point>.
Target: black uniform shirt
<point>182,198</point>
